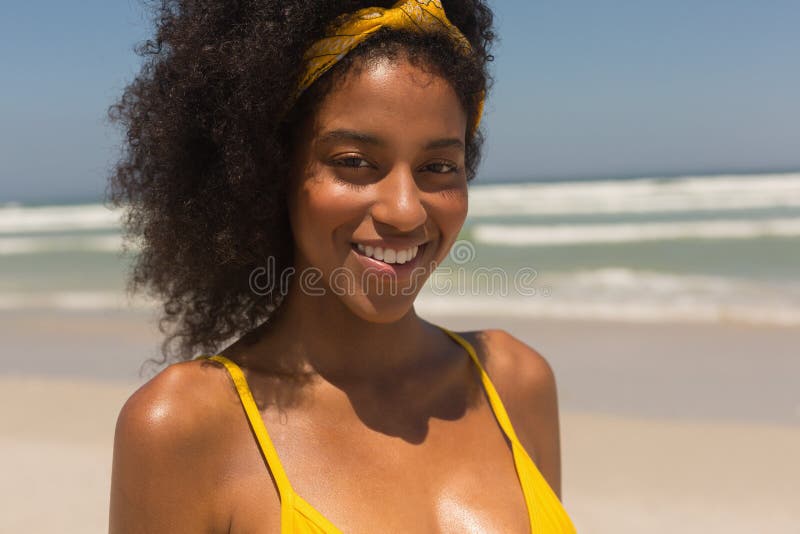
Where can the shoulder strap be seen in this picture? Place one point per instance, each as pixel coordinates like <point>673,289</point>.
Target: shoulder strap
<point>257,424</point>
<point>494,398</point>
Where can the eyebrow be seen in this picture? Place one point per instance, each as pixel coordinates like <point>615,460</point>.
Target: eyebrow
<point>445,143</point>
<point>351,135</point>
<point>363,137</point>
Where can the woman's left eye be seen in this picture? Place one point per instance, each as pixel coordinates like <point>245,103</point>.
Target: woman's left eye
<point>441,167</point>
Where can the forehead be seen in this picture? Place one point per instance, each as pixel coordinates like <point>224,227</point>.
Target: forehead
<point>393,97</point>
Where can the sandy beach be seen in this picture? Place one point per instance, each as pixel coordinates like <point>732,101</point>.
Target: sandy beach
<point>665,428</point>
<point>617,184</point>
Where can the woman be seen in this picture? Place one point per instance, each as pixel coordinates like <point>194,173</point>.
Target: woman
<point>293,175</point>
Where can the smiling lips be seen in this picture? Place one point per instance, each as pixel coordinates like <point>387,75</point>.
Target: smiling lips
<point>388,255</point>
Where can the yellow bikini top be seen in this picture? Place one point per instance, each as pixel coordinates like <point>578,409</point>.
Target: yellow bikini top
<point>546,514</point>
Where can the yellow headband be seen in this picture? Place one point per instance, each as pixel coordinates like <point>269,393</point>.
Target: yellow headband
<point>353,29</point>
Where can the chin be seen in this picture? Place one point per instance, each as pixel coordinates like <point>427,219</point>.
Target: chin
<point>384,309</point>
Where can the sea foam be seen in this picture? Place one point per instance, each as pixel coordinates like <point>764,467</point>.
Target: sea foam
<point>571,234</point>
<point>642,195</point>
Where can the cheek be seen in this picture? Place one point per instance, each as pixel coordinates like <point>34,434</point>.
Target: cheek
<point>454,204</point>
<point>321,209</point>
<point>449,208</point>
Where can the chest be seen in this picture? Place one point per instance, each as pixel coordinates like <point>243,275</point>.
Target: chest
<point>456,475</point>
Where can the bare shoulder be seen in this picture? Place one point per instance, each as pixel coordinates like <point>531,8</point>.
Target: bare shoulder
<point>175,403</point>
<point>165,448</point>
<point>526,384</point>
<point>518,364</point>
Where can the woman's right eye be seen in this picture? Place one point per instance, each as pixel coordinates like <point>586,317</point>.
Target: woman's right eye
<point>353,162</point>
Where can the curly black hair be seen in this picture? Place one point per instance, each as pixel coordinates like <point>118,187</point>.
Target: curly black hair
<point>208,122</point>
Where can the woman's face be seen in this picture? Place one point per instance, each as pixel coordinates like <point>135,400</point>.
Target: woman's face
<point>379,190</point>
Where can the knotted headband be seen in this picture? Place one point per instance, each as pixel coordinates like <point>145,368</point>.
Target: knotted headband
<point>351,30</point>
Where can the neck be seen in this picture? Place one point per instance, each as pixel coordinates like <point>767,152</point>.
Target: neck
<point>318,334</point>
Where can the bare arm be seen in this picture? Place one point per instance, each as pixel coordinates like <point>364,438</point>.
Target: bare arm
<point>160,482</point>
<point>529,387</point>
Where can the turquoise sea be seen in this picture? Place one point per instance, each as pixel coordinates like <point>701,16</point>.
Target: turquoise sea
<point>690,248</point>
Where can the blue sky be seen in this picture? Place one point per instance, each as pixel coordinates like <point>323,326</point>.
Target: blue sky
<point>583,89</point>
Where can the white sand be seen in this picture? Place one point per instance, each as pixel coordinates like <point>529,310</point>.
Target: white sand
<point>56,440</point>
<point>621,474</point>
<point>706,436</point>
<point>627,475</point>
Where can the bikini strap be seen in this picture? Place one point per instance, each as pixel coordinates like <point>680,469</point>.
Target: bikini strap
<point>259,429</point>
<point>494,398</point>
<point>268,449</point>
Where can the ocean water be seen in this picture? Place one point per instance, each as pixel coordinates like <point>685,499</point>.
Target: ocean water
<point>692,248</point>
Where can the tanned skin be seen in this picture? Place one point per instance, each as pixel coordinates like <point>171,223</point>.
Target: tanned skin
<point>387,429</point>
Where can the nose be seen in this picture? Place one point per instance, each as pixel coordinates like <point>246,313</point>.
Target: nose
<point>399,201</point>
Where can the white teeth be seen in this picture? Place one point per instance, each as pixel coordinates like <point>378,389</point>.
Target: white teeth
<point>389,255</point>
